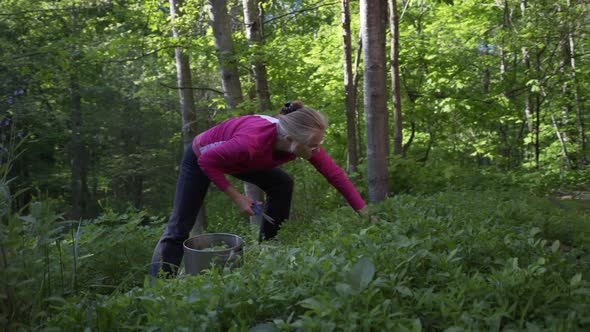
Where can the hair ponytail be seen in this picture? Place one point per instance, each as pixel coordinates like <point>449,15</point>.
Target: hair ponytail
<point>290,107</point>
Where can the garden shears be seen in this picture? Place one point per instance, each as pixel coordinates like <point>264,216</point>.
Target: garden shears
<point>258,211</point>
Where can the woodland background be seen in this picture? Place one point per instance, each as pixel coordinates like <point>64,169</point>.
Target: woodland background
<point>444,113</point>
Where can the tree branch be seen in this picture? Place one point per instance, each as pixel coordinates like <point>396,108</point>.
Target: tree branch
<point>60,9</point>
<point>191,88</point>
<point>299,11</point>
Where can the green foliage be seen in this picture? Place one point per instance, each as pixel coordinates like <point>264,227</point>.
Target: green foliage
<point>10,149</point>
<point>116,249</point>
<point>463,260</point>
<point>31,275</point>
<point>46,260</point>
<point>111,48</point>
<point>461,107</point>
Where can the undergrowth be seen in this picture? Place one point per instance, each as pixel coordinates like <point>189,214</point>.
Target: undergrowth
<point>456,260</point>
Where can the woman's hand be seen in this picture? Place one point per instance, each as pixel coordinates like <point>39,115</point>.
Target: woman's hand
<point>243,202</point>
<point>245,205</point>
<point>364,213</point>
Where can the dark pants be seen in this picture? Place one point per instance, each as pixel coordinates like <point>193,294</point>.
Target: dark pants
<point>191,189</point>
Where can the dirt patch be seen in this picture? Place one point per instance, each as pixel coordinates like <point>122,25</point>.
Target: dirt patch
<point>579,200</point>
<point>577,195</point>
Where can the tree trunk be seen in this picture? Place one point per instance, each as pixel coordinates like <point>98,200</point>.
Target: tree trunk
<point>185,93</point>
<point>373,17</point>
<point>582,161</point>
<point>406,146</point>
<point>349,89</point>
<point>527,66</point>
<point>78,159</point>
<point>395,83</point>
<point>560,137</point>
<point>132,140</point>
<point>230,77</point>
<point>357,106</point>
<point>566,107</point>
<point>486,70</point>
<point>527,96</point>
<point>190,126</point>
<point>228,67</point>
<point>76,146</point>
<point>253,22</point>
<point>504,129</point>
<point>505,24</point>
<point>428,148</point>
<point>540,96</point>
<point>537,131</point>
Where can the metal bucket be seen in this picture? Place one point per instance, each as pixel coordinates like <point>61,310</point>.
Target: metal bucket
<point>214,249</point>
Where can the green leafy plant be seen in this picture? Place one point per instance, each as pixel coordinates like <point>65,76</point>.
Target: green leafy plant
<point>463,260</point>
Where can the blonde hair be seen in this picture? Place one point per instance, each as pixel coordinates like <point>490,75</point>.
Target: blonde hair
<point>301,123</point>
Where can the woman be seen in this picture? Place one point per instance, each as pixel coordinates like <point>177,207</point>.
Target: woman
<point>249,148</point>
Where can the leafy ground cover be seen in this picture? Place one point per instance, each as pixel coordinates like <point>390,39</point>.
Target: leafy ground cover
<point>452,261</point>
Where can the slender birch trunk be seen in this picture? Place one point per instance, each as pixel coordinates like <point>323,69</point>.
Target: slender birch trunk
<point>190,126</point>
<point>253,22</point>
<point>395,80</point>
<point>349,89</point>
<point>228,67</point>
<point>355,80</point>
<point>582,161</point>
<point>78,152</point>
<point>230,77</point>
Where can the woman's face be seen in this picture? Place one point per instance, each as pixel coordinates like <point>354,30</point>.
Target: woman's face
<point>307,150</point>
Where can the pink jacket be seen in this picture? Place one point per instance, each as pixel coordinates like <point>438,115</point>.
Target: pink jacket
<point>246,144</point>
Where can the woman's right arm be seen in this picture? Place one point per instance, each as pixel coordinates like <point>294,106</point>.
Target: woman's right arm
<point>215,161</point>
<point>243,202</point>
